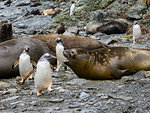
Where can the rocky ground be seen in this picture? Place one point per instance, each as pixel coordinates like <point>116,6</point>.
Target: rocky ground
<point>130,94</point>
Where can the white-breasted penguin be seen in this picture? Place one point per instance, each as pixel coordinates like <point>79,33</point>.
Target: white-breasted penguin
<point>136,32</point>
<point>72,8</point>
<point>25,63</point>
<point>59,53</point>
<point>43,74</point>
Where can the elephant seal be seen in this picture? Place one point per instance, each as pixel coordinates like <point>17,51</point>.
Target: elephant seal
<point>10,51</point>
<point>69,41</point>
<point>107,63</point>
<point>107,27</point>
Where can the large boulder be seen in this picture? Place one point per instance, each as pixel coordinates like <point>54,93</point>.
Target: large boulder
<point>5,31</point>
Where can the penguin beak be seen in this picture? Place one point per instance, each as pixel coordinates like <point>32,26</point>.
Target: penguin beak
<point>55,41</point>
<point>53,57</point>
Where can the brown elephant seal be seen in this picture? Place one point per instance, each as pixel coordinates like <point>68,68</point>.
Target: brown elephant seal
<point>10,51</point>
<point>107,63</point>
<point>69,41</point>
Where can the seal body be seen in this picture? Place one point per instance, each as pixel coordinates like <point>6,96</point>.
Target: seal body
<point>10,51</point>
<point>107,63</point>
<point>43,76</point>
<point>106,26</point>
<point>136,32</point>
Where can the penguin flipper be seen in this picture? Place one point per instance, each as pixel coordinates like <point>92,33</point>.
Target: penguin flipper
<point>27,75</point>
<point>33,63</point>
<point>15,64</point>
<point>52,67</point>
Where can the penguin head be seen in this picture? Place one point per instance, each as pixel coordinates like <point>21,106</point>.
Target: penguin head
<point>47,56</point>
<point>57,40</point>
<point>26,48</point>
<point>72,2</point>
<point>135,22</point>
<point>62,24</point>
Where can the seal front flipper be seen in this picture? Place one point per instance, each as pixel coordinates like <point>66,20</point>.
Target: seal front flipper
<point>15,63</point>
<point>27,76</point>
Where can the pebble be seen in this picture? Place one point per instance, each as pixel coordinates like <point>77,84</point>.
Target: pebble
<point>13,90</point>
<point>58,100</point>
<point>83,95</point>
<point>4,84</point>
<point>4,92</point>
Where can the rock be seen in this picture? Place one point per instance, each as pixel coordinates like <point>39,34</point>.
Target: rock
<point>78,81</point>
<point>144,81</point>
<point>73,30</point>
<point>22,4</point>
<point>74,106</point>
<point>126,79</point>
<point>35,12</point>
<point>127,98</point>
<point>4,84</point>
<point>3,92</point>
<point>5,31</point>
<point>12,90</point>
<point>21,25</point>
<point>105,3</point>
<point>8,2</point>
<point>83,95</point>
<point>35,4</point>
<point>34,103</point>
<point>68,33</point>
<point>10,98</point>
<point>136,11</point>
<point>56,100</point>
<point>147,74</point>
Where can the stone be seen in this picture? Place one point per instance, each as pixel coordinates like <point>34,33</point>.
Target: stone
<point>56,100</point>
<point>73,30</point>
<point>77,81</point>
<point>83,95</point>
<point>4,92</point>
<point>5,31</point>
<point>12,90</point>
<point>4,84</point>
<point>147,74</point>
<point>136,11</point>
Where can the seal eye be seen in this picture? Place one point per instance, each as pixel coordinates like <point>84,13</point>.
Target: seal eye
<point>72,53</point>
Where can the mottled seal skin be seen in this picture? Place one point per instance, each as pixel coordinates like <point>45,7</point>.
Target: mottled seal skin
<point>69,41</point>
<point>10,51</point>
<point>107,63</point>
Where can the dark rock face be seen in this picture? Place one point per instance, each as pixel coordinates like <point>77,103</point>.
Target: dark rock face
<point>5,31</point>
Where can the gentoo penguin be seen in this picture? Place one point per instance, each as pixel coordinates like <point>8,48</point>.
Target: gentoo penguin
<point>25,63</point>
<point>59,53</point>
<point>43,76</point>
<point>60,29</point>
<point>136,32</point>
<point>72,8</point>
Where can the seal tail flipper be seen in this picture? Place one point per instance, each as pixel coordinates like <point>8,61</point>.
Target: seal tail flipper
<point>33,63</point>
<point>15,64</point>
<point>27,76</point>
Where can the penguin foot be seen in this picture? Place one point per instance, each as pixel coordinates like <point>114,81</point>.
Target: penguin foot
<point>22,80</point>
<point>138,40</point>
<point>38,92</point>
<point>50,90</point>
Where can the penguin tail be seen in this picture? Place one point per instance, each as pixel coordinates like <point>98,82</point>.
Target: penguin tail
<point>15,64</point>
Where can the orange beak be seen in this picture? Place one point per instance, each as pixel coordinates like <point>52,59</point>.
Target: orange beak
<point>53,57</point>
